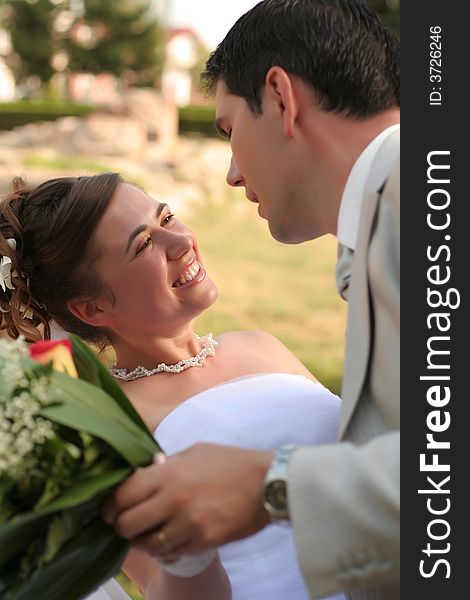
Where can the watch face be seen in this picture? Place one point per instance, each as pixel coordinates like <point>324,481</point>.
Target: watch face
<point>276,495</point>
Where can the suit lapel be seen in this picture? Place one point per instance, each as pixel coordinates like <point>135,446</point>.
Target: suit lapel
<point>358,331</point>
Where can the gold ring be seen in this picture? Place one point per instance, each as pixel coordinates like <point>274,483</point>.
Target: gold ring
<point>161,537</point>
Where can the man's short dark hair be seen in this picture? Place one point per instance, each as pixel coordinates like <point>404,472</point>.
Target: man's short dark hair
<point>340,48</point>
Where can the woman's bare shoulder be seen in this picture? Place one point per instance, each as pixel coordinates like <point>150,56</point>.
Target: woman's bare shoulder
<point>268,346</point>
<point>255,337</point>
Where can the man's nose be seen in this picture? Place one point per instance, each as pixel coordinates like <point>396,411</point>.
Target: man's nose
<point>234,177</point>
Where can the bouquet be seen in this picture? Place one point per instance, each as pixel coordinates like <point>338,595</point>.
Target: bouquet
<point>68,436</point>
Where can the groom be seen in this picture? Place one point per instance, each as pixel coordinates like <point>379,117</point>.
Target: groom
<point>307,93</point>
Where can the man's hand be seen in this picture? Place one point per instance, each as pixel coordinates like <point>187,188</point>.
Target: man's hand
<point>201,498</point>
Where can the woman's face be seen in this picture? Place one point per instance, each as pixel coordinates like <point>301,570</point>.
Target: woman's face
<point>151,264</point>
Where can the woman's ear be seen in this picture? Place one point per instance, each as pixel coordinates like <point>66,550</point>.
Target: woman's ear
<point>279,89</point>
<point>88,311</point>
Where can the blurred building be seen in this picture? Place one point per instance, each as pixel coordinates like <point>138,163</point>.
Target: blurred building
<point>94,89</point>
<point>181,58</point>
<point>7,81</point>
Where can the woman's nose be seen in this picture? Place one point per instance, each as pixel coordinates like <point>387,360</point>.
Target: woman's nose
<point>178,245</point>
<point>234,177</point>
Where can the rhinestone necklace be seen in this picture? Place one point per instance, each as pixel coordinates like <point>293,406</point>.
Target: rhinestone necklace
<point>208,349</point>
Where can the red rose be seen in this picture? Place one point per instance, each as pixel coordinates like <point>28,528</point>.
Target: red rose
<point>59,353</point>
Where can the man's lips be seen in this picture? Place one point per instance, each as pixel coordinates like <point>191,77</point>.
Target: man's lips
<point>252,197</point>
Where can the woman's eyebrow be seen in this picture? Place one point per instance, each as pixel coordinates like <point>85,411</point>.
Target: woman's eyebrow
<point>141,228</point>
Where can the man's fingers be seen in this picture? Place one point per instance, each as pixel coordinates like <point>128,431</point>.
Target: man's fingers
<point>164,542</point>
<point>189,546</point>
<point>143,517</point>
<point>140,485</point>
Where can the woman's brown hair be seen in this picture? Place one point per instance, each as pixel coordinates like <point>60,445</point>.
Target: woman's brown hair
<point>53,226</point>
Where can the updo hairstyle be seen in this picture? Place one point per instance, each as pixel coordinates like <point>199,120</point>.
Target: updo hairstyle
<point>52,225</point>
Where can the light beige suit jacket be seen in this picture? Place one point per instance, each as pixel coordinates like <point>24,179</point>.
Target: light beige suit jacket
<point>344,497</point>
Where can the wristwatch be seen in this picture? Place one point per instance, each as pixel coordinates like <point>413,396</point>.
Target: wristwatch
<point>275,484</point>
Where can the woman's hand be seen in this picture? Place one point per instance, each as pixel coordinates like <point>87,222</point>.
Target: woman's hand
<point>156,584</point>
<point>212,584</point>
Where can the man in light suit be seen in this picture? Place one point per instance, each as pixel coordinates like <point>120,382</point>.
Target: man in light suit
<point>307,93</point>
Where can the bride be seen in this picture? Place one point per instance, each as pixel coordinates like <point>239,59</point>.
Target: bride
<point>106,261</point>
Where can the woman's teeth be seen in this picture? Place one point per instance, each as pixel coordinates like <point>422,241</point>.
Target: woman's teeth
<point>188,275</point>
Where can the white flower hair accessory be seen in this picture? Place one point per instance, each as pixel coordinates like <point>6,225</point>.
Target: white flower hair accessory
<point>5,268</point>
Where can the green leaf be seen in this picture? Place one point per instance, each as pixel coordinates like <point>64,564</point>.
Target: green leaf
<point>85,361</point>
<point>106,381</point>
<point>62,469</point>
<point>83,564</point>
<point>7,509</point>
<point>87,408</point>
<point>15,535</point>
<point>62,528</point>
<point>85,490</point>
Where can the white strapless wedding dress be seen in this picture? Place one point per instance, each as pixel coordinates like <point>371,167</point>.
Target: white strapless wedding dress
<point>260,412</point>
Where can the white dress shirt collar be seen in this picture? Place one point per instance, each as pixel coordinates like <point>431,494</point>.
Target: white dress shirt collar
<point>351,201</point>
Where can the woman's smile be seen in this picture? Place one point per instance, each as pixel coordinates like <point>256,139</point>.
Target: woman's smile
<point>193,274</point>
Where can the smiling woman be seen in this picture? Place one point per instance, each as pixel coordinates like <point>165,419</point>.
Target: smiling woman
<point>103,259</point>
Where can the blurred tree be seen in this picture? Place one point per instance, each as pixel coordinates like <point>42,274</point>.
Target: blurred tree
<point>30,25</point>
<point>121,37</point>
<point>389,11</point>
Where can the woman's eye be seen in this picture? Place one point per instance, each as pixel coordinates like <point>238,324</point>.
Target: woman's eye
<point>165,221</point>
<point>168,219</point>
<point>144,245</point>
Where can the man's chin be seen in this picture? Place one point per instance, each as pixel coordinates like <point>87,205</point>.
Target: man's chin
<point>286,235</point>
<point>279,233</point>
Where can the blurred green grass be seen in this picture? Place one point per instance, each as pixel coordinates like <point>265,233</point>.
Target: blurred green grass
<point>72,165</point>
<point>66,163</point>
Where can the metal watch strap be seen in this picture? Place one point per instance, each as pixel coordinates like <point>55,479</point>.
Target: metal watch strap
<point>277,477</point>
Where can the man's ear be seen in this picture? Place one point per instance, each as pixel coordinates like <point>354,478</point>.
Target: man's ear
<point>88,311</point>
<point>279,89</point>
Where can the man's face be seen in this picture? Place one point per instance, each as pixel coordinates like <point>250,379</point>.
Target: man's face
<point>287,177</point>
<point>259,162</point>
